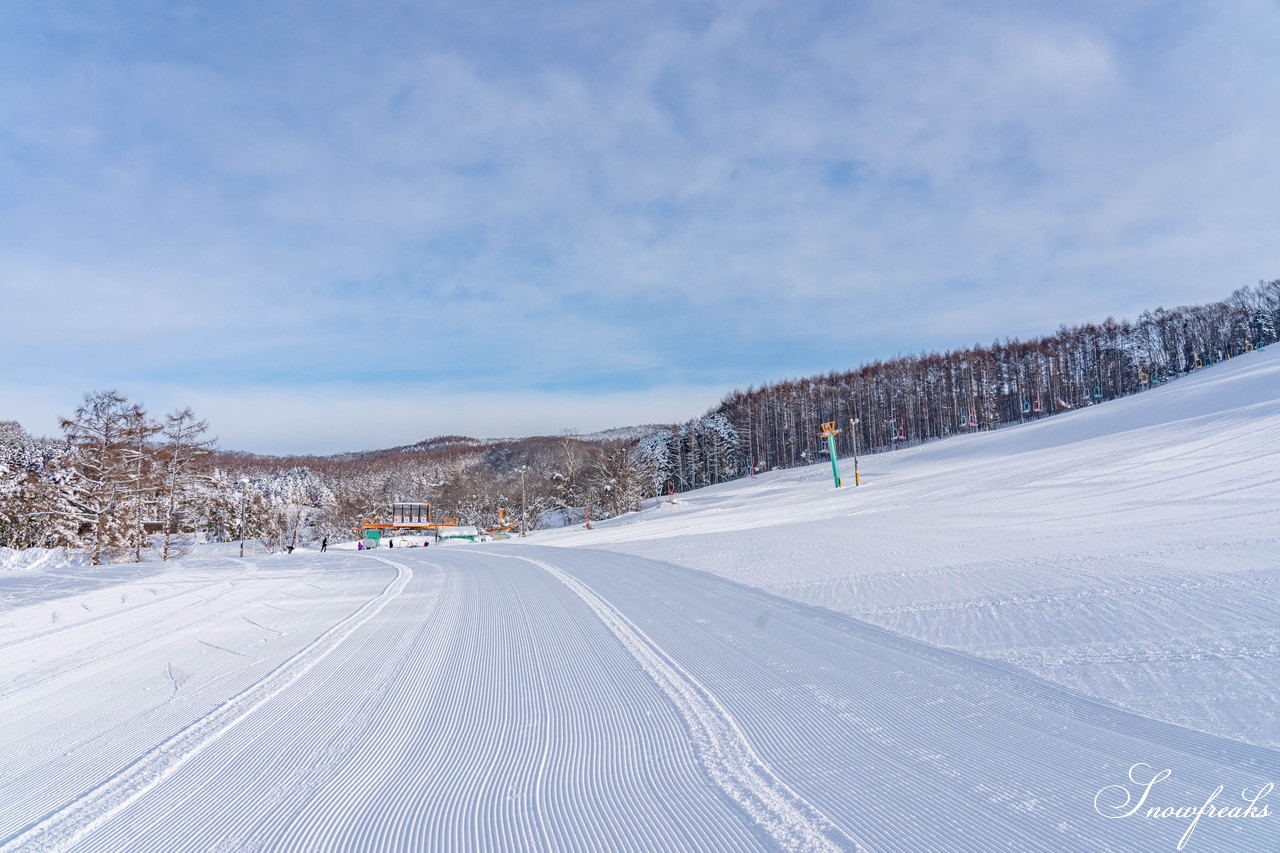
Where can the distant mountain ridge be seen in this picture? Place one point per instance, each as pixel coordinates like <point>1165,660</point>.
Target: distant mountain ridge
<point>448,443</point>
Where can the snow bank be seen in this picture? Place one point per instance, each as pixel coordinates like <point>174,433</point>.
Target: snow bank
<point>30,559</point>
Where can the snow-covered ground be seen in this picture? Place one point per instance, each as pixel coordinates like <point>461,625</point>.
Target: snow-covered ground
<point>1130,550</point>
<point>511,697</point>
<point>621,696</point>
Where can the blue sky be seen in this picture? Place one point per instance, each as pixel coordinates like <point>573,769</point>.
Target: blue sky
<point>330,226</point>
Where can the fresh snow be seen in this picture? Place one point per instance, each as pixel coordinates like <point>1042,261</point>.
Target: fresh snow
<point>1130,550</point>
<point>987,646</point>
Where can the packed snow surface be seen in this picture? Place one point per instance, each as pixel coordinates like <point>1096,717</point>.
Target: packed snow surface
<point>526,698</point>
<point>1130,550</point>
<point>683,678</point>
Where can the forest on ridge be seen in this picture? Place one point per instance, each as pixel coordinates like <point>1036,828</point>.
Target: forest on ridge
<point>122,484</point>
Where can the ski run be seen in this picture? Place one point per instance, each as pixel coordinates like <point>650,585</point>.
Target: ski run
<point>997,642</point>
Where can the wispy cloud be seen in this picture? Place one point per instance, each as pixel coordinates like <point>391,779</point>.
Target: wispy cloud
<point>579,198</point>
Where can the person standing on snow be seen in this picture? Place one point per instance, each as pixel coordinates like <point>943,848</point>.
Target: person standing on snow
<point>324,543</point>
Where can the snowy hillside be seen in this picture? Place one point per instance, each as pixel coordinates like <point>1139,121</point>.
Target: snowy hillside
<point>1130,550</point>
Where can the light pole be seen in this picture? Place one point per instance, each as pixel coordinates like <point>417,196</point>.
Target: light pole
<point>853,428</point>
<point>243,488</point>
<point>522,501</point>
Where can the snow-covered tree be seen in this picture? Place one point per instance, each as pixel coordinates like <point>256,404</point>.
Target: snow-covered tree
<point>108,439</point>
<point>142,478</point>
<point>33,474</point>
<point>297,499</point>
<point>655,457</point>
<point>617,482</point>
<point>184,445</point>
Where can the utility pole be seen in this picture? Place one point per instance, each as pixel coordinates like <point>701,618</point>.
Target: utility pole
<point>853,427</point>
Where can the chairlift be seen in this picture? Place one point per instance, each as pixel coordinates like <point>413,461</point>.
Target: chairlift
<point>973,418</point>
<point>1199,361</point>
<point>1261,345</point>
<point>1026,407</point>
<point>1035,407</point>
<point>1097,391</point>
<point>902,430</point>
<point>1144,378</point>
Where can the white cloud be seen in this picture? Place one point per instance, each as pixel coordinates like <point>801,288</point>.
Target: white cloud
<point>638,196</point>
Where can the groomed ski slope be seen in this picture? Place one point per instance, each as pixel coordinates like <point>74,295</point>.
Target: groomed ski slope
<point>1129,550</point>
<point>515,696</point>
<point>526,698</point>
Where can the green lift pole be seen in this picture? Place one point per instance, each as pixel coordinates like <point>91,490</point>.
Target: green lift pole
<point>829,432</point>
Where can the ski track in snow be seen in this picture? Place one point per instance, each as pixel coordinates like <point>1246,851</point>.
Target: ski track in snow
<point>918,748</point>
<point>483,709</point>
<point>517,698</point>
<point>730,761</point>
<point>59,831</point>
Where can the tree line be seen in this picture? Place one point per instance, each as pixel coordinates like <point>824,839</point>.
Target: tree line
<point>118,477</point>
<point>919,398</point>
<point>123,486</point>
<point>119,482</point>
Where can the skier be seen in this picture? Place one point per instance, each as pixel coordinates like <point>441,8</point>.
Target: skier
<point>324,543</point>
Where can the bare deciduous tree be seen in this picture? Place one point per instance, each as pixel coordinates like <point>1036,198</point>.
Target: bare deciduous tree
<point>104,435</point>
<point>184,446</point>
